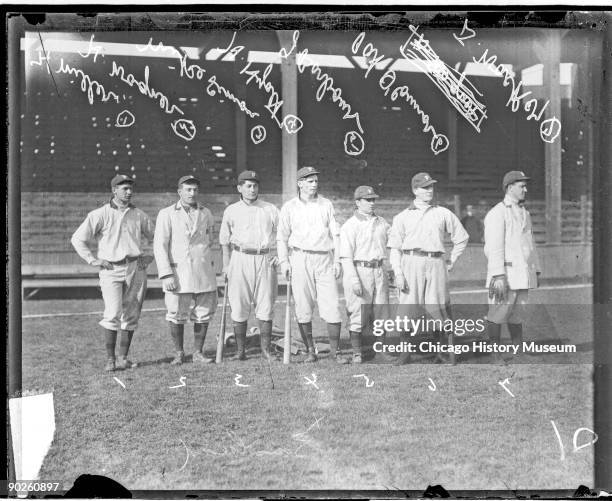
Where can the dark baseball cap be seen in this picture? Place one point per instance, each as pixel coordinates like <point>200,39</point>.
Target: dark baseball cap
<point>422,180</point>
<point>248,175</point>
<point>514,176</point>
<point>306,171</point>
<point>189,179</point>
<point>121,179</point>
<point>365,192</point>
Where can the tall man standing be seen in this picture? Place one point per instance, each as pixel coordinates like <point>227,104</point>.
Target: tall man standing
<point>363,250</point>
<point>247,235</point>
<point>182,246</point>
<point>118,227</point>
<point>417,250</point>
<point>513,267</point>
<point>308,251</point>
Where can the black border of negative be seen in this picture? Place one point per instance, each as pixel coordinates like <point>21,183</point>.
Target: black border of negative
<point>16,17</point>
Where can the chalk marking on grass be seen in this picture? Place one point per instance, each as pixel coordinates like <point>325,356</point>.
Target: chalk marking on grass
<point>369,383</point>
<point>118,381</point>
<point>182,381</point>
<point>559,438</point>
<point>187,458</point>
<point>432,383</point>
<point>237,379</point>
<point>282,301</point>
<point>503,385</point>
<point>312,381</point>
<point>577,432</point>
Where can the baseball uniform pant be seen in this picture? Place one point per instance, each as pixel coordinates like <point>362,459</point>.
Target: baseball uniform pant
<point>180,309</point>
<point>374,291</point>
<point>251,279</point>
<point>511,311</point>
<point>427,280</point>
<point>313,282</point>
<point>123,290</point>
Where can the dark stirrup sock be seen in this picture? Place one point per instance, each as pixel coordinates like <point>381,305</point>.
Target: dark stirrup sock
<point>110,340</point>
<point>176,332</point>
<point>199,335</point>
<point>125,342</point>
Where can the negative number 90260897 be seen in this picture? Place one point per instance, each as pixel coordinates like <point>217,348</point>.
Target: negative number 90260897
<point>32,486</point>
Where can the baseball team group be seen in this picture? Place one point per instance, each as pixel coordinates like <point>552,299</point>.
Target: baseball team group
<point>312,251</point>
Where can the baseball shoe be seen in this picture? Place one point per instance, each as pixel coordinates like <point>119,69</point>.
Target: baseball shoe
<point>179,358</point>
<point>310,358</point>
<point>341,360</point>
<point>123,363</point>
<point>357,358</point>
<point>110,365</point>
<point>199,357</point>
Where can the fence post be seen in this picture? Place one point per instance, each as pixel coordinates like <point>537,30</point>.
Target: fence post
<point>457,204</point>
<point>583,218</point>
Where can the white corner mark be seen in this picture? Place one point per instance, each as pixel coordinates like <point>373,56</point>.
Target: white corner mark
<point>503,385</point>
<point>369,383</point>
<point>182,381</point>
<point>430,385</point>
<point>238,383</point>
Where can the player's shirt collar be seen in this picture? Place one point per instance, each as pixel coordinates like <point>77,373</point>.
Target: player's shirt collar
<point>180,206</point>
<point>363,217</point>
<point>412,206</point>
<point>114,205</point>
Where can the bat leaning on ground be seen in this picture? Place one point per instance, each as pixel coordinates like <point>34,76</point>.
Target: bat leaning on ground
<point>287,339</point>
<point>221,338</point>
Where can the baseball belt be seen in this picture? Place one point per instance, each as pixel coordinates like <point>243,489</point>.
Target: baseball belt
<point>507,263</point>
<point>254,252</point>
<point>309,251</point>
<point>374,263</point>
<point>419,252</point>
<point>125,260</point>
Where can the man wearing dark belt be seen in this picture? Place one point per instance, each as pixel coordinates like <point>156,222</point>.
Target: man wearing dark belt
<point>512,261</point>
<point>247,235</point>
<point>417,250</point>
<point>363,249</point>
<point>118,227</point>
<point>308,251</point>
<point>182,246</point>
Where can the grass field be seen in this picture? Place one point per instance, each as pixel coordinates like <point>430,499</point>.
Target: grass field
<point>396,434</point>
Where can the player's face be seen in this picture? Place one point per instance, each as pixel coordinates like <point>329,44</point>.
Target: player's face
<point>366,205</point>
<point>189,193</point>
<point>309,185</point>
<point>249,190</point>
<point>424,194</point>
<point>518,190</point>
<point>123,192</point>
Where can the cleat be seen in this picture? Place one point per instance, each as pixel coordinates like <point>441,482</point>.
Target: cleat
<point>110,365</point>
<point>123,363</point>
<point>341,360</point>
<point>357,358</point>
<point>310,358</point>
<point>199,357</point>
<point>179,358</point>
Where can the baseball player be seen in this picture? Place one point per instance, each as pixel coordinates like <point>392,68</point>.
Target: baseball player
<point>183,235</point>
<point>417,250</point>
<point>247,235</point>
<point>512,261</point>
<point>363,249</point>
<point>118,228</point>
<point>308,251</point>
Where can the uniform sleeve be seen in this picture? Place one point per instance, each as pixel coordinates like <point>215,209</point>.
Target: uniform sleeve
<point>282,233</point>
<point>274,216</point>
<point>225,231</point>
<point>334,227</point>
<point>147,228</point>
<point>536,259</point>
<point>494,247</point>
<point>396,234</point>
<point>85,233</point>
<point>161,244</point>
<point>347,241</point>
<point>458,235</point>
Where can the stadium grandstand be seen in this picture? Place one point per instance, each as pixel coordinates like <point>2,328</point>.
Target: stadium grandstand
<point>72,143</point>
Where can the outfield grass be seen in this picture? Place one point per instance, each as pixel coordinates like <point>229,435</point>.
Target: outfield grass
<point>211,434</point>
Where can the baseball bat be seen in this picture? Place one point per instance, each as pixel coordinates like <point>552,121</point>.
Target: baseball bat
<point>221,338</point>
<point>287,339</point>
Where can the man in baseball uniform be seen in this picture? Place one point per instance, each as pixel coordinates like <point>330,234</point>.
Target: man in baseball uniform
<point>118,228</point>
<point>308,251</point>
<point>417,250</point>
<point>182,246</point>
<point>512,261</point>
<point>247,235</point>
<point>363,250</point>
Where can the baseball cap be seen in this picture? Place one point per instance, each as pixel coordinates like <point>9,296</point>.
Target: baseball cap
<point>365,192</point>
<point>248,175</point>
<point>120,179</point>
<point>513,176</point>
<point>188,179</point>
<point>306,171</point>
<point>422,180</point>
